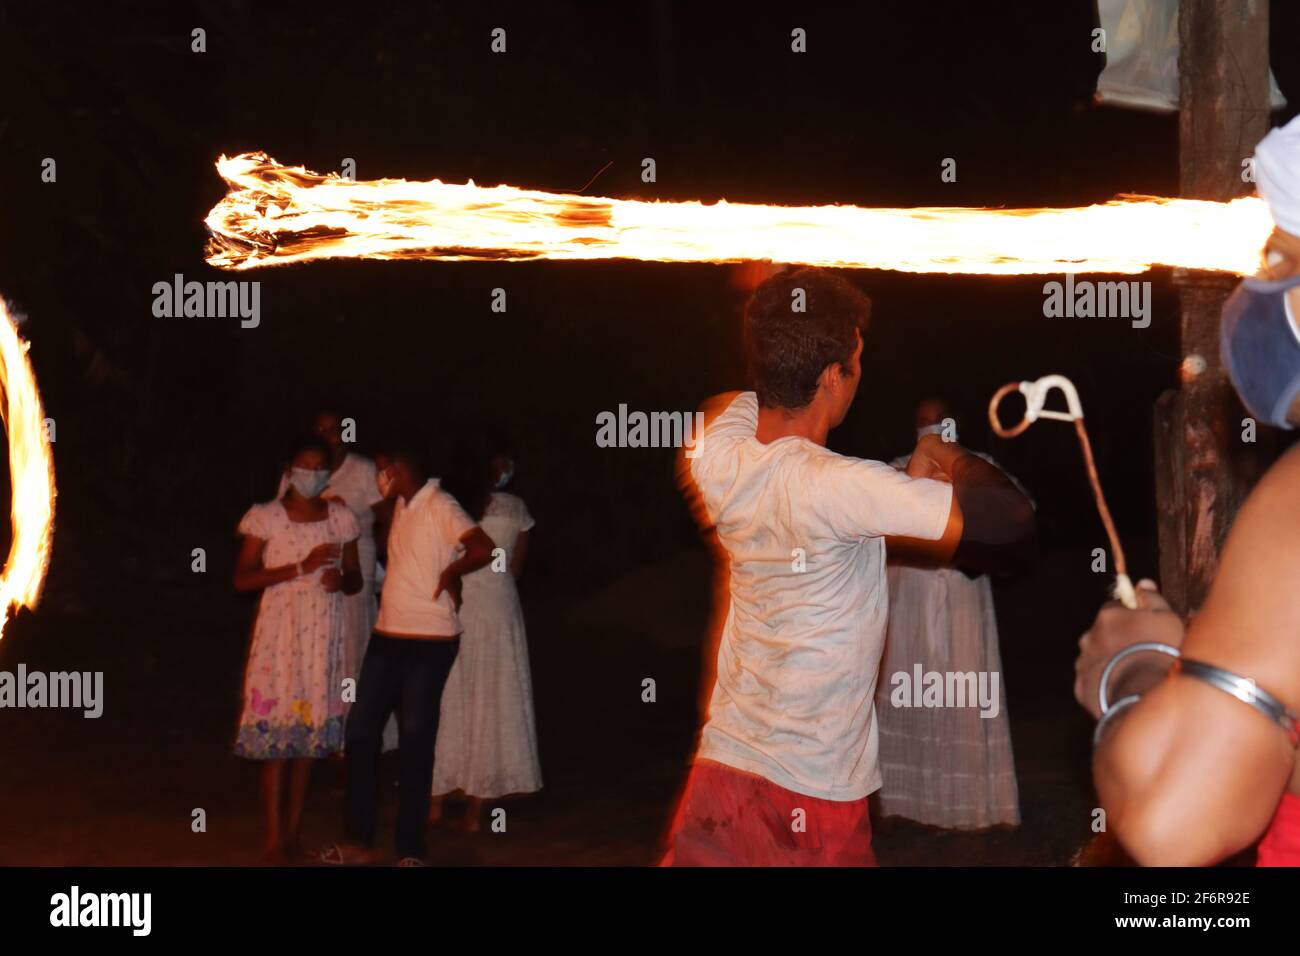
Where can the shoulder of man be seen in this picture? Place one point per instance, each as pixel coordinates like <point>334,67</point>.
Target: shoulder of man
<point>726,419</point>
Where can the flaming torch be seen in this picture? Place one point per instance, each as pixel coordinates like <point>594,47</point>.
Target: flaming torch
<point>274,214</point>
<point>31,475</point>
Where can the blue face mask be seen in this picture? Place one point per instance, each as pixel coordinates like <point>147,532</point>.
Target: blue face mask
<point>308,482</point>
<point>507,473</point>
<point>1257,341</point>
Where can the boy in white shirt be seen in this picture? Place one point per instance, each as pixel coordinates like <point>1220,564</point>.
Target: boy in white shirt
<point>432,544</point>
<point>788,753</point>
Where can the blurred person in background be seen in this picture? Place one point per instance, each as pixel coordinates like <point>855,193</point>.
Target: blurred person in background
<point>487,737</point>
<point>949,767</point>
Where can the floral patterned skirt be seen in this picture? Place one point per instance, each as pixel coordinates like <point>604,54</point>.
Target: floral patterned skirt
<point>293,687</point>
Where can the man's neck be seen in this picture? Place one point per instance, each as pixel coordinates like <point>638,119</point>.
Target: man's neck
<point>810,422</point>
<point>410,491</point>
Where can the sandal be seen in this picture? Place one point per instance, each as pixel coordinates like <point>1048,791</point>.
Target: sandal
<point>345,854</point>
<point>411,861</point>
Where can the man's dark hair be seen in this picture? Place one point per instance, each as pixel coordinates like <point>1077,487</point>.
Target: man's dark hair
<point>787,350</point>
<point>409,453</point>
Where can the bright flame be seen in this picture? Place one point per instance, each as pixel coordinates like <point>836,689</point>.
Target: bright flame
<point>277,214</point>
<point>31,473</point>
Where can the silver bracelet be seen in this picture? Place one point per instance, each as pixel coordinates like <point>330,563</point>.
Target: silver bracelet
<point>1246,691</point>
<point>1242,688</point>
<point>1108,710</point>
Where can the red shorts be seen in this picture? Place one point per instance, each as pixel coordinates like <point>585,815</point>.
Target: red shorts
<point>1281,844</point>
<point>729,817</point>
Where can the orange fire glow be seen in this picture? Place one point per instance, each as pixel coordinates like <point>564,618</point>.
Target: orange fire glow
<point>277,214</point>
<point>31,473</point>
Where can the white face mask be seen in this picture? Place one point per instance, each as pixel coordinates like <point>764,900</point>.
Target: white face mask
<point>308,482</point>
<point>385,482</point>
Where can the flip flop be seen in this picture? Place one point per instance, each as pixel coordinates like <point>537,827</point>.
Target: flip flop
<point>336,855</point>
<point>411,861</point>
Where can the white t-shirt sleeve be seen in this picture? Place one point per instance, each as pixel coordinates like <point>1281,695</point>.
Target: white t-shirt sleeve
<point>525,517</point>
<point>370,485</point>
<point>450,518</point>
<point>859,498</point>
<point>736,423</point>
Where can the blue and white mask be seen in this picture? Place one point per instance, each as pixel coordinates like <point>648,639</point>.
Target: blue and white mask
<point>1260,346</point>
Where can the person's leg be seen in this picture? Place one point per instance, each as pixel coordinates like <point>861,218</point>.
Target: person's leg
<point>272,793</point>
<point>474,815</point>
<point>730,817</point>
<point>299,776</point>
<point>421,699</point>
<point>377,691</point>
<point>435,808</point>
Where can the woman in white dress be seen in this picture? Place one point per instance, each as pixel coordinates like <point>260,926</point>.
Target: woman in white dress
<point>300,551</point>
<point>947,767</point>
<point>487,738</point>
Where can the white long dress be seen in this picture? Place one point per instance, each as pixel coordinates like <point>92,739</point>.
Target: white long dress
<point>487,738</point>
<point>945,766</point>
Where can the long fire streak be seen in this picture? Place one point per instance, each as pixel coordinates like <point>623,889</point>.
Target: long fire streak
<point>31,474</point>
<point>277,214</point>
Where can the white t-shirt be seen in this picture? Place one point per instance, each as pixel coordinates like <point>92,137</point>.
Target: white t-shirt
<point>423,540</point>
<point>802,642</point>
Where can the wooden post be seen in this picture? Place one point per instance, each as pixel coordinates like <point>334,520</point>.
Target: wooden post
<point>1223,92</point>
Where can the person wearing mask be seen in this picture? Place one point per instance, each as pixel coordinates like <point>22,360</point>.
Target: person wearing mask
<point>432,545</point>
<point>300,551</point>
<point>487,738</point>
<point>1195,755</point>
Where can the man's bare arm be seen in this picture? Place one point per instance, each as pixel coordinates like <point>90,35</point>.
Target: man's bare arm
<point>992,523</point>
<point>1191,775</point>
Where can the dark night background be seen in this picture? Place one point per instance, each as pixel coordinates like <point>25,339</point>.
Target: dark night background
<point>168,429</point>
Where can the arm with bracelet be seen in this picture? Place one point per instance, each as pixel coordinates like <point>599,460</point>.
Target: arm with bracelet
<point>1197,737</point>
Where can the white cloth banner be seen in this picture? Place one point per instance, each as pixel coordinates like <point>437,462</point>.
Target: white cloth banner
<point>1142,56</point>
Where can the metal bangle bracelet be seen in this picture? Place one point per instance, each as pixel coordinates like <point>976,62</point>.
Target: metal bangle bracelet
<point>1246,691</point>
<point>1242,688</point>
<point>1121,705</point>
<point>1103,699</point>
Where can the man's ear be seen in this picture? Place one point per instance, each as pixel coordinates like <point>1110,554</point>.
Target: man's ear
<point>831,376</point>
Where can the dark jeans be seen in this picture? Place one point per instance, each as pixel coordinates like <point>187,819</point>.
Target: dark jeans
<point>406,674</point>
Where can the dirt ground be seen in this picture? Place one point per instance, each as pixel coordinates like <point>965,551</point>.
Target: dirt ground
<point>121,790</point>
